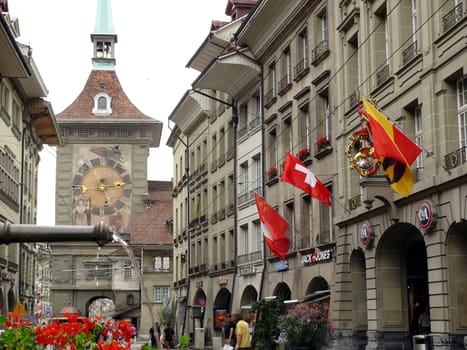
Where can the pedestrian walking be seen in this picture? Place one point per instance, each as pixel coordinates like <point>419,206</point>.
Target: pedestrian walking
<point>242,332</point>
<point>154,334</point>
<point>229,331</point>
<point>169,335</point>
<point>424,321</point>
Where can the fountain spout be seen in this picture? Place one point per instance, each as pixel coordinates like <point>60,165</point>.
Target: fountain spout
<point>11,233</point>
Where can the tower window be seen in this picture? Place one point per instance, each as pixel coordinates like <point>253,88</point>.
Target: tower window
<point>102,104</point>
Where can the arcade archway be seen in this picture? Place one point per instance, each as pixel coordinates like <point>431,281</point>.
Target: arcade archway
<point>456,251</point>
<point>282,290</point>
<point>401,278</point>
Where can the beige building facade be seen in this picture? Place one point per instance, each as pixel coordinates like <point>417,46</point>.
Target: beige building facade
<point>377,257</point>
<point>27,123</point>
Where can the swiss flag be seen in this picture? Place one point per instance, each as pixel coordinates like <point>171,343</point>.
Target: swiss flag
<point>273,226</point>
<point>297,174</point>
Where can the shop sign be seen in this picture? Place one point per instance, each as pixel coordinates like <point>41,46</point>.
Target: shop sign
<point>222,281</point>
<point>318,256</point>
<point>366,234</point>
<point>202,301</point>
<point>281,265</point>
<point>247,270</point>
<point>427,215</point>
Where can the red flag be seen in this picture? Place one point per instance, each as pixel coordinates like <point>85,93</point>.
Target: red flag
<point>396,150</point>
<point>297,174</point>
<point>273,226</point>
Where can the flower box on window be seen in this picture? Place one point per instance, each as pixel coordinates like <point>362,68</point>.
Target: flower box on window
<point>303,154</point>
<point>322,142</point>
<point>272,173</point>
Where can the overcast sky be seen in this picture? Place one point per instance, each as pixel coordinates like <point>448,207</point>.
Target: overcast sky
<point>156,39</point>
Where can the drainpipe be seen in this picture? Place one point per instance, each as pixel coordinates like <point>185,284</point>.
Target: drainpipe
<point>234,122</point>
<point>263,273</point>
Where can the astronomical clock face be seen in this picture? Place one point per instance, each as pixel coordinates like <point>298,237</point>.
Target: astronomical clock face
<point>102,187</point>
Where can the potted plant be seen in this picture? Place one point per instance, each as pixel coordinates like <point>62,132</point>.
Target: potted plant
<point>305,326</point>
<point>303,154</point>
<point>266,329</point>
<point>272,173</point>
<point>322,142</point>
<point>75,332</point>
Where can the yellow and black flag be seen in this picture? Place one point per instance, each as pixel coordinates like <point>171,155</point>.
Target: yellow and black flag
<point>395,150</point>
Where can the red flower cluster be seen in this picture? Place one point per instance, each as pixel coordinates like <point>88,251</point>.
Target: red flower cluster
<point>74,333</point>
<point>322,141</point>
<point>303,153</point>
<point>272,171</point>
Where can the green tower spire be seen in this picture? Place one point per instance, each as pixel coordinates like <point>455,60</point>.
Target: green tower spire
<point>104,38</point>
<point>104,21</point>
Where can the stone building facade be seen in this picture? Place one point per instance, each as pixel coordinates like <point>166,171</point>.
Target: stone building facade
<point>383,255</point>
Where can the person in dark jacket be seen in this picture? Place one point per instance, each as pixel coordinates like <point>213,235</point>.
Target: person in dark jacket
<point>169,335</point>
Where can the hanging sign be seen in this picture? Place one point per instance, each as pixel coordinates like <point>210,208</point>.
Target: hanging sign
<point>426,215</point>
<point>366,234</point>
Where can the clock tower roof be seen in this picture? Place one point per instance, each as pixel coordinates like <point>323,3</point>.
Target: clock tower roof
<point>117,110</point>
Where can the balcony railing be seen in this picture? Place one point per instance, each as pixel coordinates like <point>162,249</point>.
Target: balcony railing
<point>318,52</point>
<point>213,166</point>
<point>242,131</point>
<point>456,158</point>
<point>284,83</point>
<point>452,17</point>
<point>269,96</point>
<point>299,69</point>
<point>409,53</point>
<point>243,198</point>
<point>221,160</point>
<point>382,75</point>
<point>242,259</point>
<point>353,99</point>
<point>229,155</point>
<point>304,243</point>
<point>254,123</point>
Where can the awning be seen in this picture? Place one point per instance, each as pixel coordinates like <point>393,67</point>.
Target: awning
<point>190,109</point>
<point>13,63</point>
<point>233,74</point>
<point>43,121</point>
<point>214,45</point>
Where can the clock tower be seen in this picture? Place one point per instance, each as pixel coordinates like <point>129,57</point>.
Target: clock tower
<point>101,176</point>
<point>102,167</point>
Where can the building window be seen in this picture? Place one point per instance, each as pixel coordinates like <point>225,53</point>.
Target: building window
<point>419,134</point>
<point>127,270</point>
<point>104,49</point>
<point>258,236</point>
<point>352,71</point>
<point>304,127</point>
<point>302,51</point>
<point>287,135</point>
<point>323,116</point>
<point>243,246</point>
<point>272,148</point>
<point>102,104</point>
<point>271,84</point>
<point>161,294</point>
<point>286,70</point>
<point>161,263</point>
<point>290,218</point>
<point>305,220</point>
<point>462,110</point>
<point>325,216</point>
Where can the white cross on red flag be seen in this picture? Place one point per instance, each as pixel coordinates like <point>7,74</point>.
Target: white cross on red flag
<point>297,174</point>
